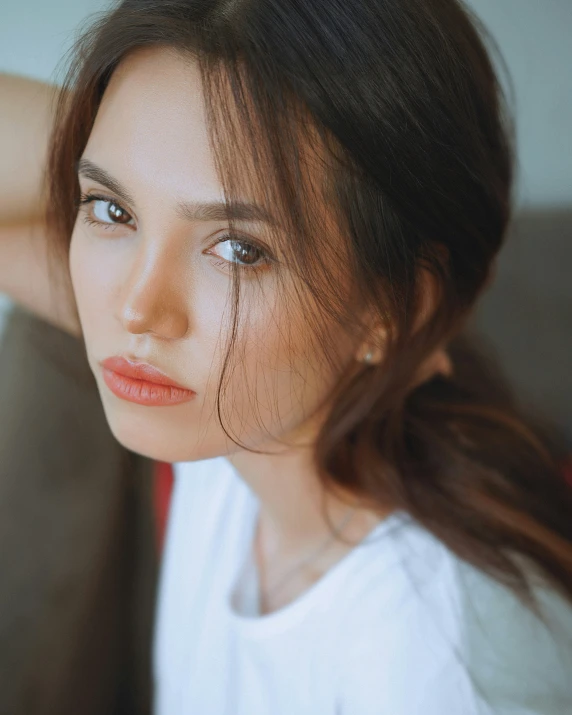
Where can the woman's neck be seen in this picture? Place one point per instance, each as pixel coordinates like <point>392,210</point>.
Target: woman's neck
<point>291,525</point>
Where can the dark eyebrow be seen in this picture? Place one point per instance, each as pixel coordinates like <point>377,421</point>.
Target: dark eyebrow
<point>191,211</point>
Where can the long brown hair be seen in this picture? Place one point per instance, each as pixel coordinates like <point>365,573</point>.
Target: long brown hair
<point>400,107</point>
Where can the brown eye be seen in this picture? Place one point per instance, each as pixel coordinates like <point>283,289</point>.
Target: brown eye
<point>117,213</point>
<point>105,212</point>
<point>110,212</point>
<point>246,255</point>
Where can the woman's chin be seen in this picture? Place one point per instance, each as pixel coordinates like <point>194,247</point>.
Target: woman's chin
<point>153,436</point>
<point>142,444</point>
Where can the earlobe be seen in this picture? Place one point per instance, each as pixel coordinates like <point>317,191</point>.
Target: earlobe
<point>371,352</point>
<point>443,363</point>
<point>429,296</point>
<point>437,363</point>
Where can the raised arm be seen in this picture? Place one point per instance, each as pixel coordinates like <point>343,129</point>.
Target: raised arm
<point>25,121</point>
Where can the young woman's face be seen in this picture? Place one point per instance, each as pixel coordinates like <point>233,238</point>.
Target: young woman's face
<point>152,285</point>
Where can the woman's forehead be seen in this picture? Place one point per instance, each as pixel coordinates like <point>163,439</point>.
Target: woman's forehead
<point>151,123</point>
<point>151,133</point>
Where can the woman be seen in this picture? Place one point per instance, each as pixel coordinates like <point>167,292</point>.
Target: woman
<point>278,218</point>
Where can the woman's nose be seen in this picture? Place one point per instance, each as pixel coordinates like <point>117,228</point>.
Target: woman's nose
<point>152,299</point>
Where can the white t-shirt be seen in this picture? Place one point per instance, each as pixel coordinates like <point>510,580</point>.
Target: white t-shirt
<point>399,626</point>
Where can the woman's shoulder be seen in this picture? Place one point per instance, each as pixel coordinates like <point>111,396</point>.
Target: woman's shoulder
<point>513,653</point>
<point>466,598</point>
<point>465,637</point>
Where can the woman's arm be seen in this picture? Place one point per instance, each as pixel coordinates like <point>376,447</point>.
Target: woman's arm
<point>25,121</point>
<point>26,107</point>
<point>26,279</point>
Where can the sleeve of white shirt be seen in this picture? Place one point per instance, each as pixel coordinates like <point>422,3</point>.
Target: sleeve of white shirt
<point>469,648</point>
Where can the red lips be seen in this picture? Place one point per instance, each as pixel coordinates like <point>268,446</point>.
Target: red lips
<point>141,383</point>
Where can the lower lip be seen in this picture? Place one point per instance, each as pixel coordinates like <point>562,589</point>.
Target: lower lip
<point>145,393</point>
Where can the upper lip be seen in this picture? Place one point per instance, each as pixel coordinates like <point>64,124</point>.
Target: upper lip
<point>139,371</point>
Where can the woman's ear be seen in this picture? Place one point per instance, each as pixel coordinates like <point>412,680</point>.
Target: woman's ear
<point>371,350</point>
<point>437,362</point>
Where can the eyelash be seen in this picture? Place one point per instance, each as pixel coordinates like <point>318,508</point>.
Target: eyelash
<point>265,261</point>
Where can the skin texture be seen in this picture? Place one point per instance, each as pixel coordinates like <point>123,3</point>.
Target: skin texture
<point>149,288</point>
<point>26,114</point>
<point>25,118</point>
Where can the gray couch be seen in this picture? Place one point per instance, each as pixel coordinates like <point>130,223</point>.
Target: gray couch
<point>78,561</point>
<point>526,314</point>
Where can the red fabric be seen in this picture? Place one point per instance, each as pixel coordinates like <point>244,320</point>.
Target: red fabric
<point>567,470</point>
<point>164,484</point>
